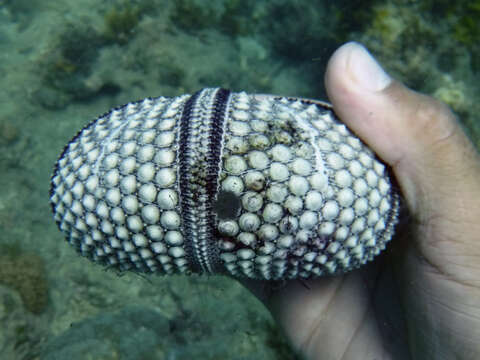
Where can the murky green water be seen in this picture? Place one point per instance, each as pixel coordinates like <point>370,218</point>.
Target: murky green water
<point>62,63</point>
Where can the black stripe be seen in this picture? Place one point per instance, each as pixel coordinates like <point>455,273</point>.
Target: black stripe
<point>183,178</point>
<point>214,163</point>
<point>198,174</point>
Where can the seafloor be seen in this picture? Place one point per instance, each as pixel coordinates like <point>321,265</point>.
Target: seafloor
<point>64,62</point>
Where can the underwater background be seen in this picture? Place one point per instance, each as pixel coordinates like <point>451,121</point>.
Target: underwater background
<point>63,63</point>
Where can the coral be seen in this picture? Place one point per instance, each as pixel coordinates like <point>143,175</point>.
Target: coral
<point>26,274</point>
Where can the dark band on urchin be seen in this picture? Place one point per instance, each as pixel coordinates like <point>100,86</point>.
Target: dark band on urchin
<point>199,166</point>
<point>186,196</point>
<point>216,132</point>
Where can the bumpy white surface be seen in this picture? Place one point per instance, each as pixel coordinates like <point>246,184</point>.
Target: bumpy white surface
<point>315,200</point>
<point>308,197</point>
<point>115,191</point>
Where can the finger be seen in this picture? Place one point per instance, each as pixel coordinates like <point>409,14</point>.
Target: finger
<point>328,316</point>
<point>434,162</point>
<point>414,133</point>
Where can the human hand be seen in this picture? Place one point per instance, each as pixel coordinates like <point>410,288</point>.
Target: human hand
<point>421,298</point>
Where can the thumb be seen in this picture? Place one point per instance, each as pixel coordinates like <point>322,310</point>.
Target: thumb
<point>415,134</point>
<point>434,163</point>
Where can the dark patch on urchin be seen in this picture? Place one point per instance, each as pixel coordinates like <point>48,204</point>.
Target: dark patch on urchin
<point>227,205</point>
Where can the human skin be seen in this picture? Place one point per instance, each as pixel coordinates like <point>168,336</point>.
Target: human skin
<point>420,299</point>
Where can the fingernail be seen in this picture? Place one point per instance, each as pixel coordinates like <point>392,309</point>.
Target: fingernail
<point>365,69</point>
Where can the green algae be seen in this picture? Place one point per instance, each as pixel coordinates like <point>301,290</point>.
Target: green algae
<point>25,273</point>
<point>233,17</point>
<point>121,20</point>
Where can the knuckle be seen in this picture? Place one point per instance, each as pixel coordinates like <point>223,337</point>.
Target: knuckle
<point>434,119</point>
